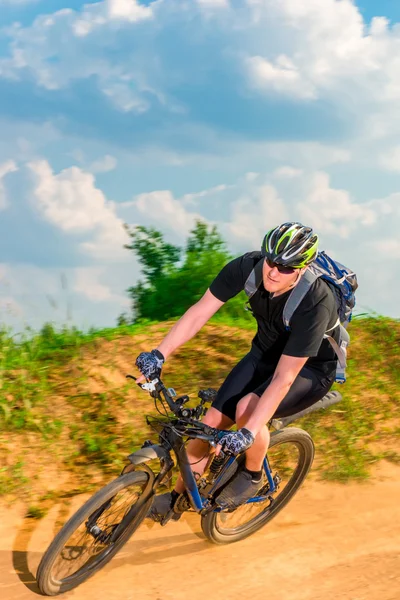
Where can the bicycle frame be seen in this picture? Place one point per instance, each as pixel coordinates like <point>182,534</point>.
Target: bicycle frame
<point>200,503</point>
<point>171,440</point>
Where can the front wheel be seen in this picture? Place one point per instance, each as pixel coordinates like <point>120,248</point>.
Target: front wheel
<point>290,456</point>
<point>95,533</point>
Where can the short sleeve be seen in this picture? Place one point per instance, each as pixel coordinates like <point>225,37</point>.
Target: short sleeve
<point>307,329</point>
<point>231,279</point>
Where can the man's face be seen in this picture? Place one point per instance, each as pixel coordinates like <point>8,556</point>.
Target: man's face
<point>277,282</point>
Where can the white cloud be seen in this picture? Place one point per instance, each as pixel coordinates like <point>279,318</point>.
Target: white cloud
<point>86,281</point>
<point>192,197</point>
<point>24,140</point>
<point>78,155</point>
<point>389,206</point>
<point>309,198</point>
<point>282,77</point>
<point>391,159</point>
<point>335,44</point>
<point>10,308</point>
<point>305,50</point>
<point>213,3</point>
<point>161,207</point>
<point>102,13</point>
<point>386,248</point>
<point>252,214</point>
<point>314,155</point>
<point>103,165</point>
<point>130,10</point>
<point>326,51</point>
<point>251,176</point>
<point>287,172</point>
<point>5,168</point>
<point>86,23</point>
<point>49,51</point>
<point>124,97</point>
<point>70,201</point>
<point>331,210</point>
<point>108,243</point>
<point>84,296</point>
<point>26,289</point>
<point>17,2</point>
<point>362,235</point>
<point>95,293</point>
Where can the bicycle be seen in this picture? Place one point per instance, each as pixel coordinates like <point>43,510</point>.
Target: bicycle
<point>99,529</point>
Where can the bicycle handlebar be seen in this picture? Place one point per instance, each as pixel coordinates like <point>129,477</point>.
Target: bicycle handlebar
<point>157,387</point>
<point>207,433</point>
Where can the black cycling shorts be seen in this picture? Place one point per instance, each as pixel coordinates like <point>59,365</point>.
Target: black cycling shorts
<point>254,373</point>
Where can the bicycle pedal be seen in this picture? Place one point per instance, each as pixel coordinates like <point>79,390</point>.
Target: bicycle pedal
<point>170,516</point>
<point>225,508</point>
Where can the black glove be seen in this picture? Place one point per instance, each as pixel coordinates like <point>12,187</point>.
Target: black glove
<point>150,364</point>
<point>237,441</point>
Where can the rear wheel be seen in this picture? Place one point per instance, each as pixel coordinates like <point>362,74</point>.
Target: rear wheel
<point>94,534</point>
<point>290,456</point>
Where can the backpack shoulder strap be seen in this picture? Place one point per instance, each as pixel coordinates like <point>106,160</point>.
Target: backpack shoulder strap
<point>341,347</point>
<point>297,295</point>
<point>254,280</point>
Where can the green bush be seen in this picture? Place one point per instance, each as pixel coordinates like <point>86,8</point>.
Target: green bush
<point>174,279</point>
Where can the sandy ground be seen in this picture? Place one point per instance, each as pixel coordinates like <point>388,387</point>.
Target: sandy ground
<point>332,542</point>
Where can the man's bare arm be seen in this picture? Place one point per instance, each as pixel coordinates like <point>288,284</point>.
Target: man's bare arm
<point>190,323</point>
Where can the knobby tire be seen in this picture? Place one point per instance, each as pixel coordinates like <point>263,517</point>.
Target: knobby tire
<point>292,435</point>
<point>47,582</point>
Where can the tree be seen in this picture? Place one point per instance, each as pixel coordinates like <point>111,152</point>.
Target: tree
<point>174,279</point>
<point>157,259</point>
<point>123,320</point>
<point>154,254</point>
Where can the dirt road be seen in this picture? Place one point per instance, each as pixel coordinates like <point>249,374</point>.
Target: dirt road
<point>339,542</point>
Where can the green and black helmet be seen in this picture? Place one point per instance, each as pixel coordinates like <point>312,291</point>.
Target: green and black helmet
<point>290,244</point>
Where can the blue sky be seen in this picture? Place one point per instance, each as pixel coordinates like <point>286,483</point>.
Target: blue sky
<point>384,8</point>
<point>245,113</point>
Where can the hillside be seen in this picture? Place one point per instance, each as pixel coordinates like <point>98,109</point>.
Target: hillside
<point>69,417</point>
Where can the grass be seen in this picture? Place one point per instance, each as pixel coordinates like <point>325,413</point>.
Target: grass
<point>12,478</point>
<point>35,512</point>
<point>68,413</point>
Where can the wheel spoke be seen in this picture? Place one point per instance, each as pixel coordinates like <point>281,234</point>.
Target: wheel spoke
<point>243,514</point>
<point>82,550</point>
<point>283,461</point>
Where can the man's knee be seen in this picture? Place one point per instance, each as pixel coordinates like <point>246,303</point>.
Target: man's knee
<point>245,407</point>
<point>215,418</point>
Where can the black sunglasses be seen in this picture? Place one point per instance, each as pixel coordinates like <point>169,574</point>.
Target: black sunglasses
<point>281,268</point>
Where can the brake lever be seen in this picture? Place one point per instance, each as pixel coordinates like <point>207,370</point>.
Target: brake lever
<point>150,386</point>
<point>218,435</point>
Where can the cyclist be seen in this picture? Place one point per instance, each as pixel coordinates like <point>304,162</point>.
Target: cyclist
<point>284,371</point>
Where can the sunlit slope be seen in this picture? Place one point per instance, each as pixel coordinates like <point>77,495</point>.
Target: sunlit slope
<point>69,416</point>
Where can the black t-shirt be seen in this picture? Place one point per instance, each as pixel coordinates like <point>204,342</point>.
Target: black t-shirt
<point>315,315</point>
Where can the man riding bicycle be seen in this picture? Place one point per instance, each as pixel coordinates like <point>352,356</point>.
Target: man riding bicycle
<point>285,370</point>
